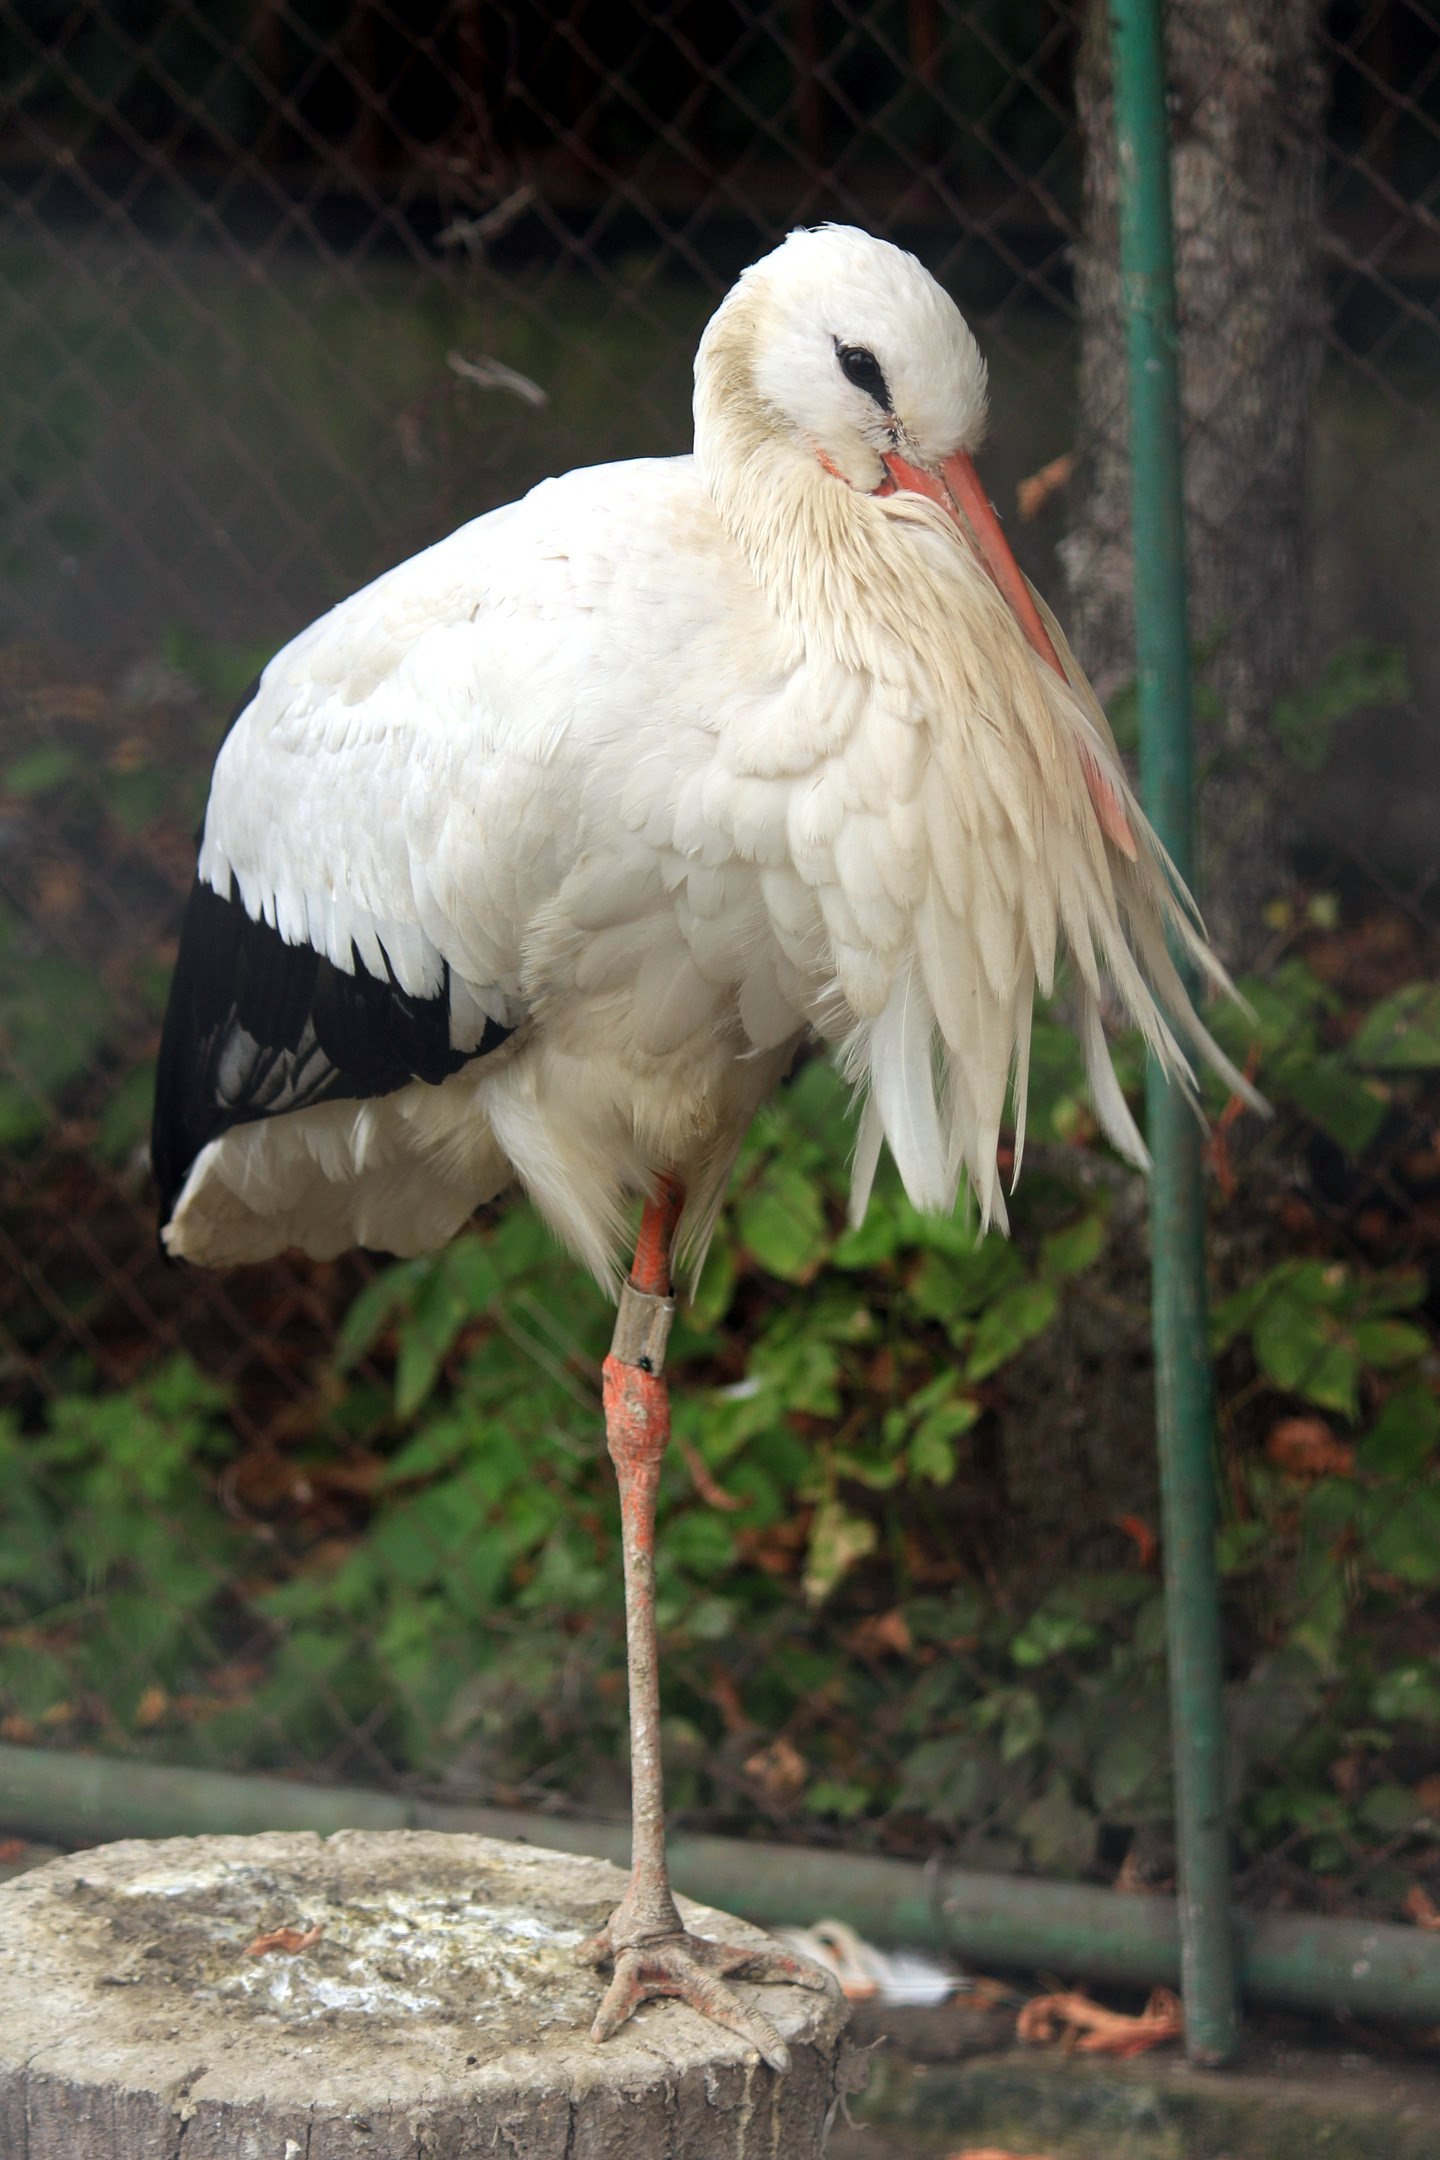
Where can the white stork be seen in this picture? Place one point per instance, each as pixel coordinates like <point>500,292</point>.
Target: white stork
<point>537,861</point>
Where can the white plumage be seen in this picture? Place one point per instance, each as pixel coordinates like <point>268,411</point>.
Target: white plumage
<point>664,769</point>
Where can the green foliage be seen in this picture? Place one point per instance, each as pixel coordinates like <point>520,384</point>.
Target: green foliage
<point>840,1397</point>
<point>219,672</point>
<point>78,1005</point>
<point>1357,674</point>
<point>830,1390</point>
<point>482,1605</point>
<point>1286,1021</point>
<point>116,1566</point>
<point>1331,1567</point>
<point>1318,1328</point>
<point>1402,1033</point>
<point>1354,676</point>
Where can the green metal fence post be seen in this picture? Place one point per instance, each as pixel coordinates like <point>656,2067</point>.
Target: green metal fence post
<point>1184,1402</point>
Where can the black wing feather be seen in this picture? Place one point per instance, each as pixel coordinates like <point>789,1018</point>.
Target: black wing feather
<point>256,1028</point>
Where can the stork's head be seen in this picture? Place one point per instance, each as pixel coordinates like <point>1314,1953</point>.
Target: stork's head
<point>839,360</point>
<point>851,351</point>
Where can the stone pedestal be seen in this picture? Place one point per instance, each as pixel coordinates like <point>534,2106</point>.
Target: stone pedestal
<point>438,2014</point>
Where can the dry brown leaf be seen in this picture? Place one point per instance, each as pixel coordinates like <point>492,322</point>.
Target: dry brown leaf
<point>284,1938</point>
<point>1420,1907</point>
<point>1133,1878</point>
<point>1102,2031</point>
<point>151,1707</point>
<point>131,754</point>
<point>1147,1545</point>
<point>51,704</point>
<point>1032,494</point>
<point>780,1770</point>
<point>12,1849</point>
<point>1348,1773</point>
<point>780,1547</point>
<point>1427,1794</point>
<point>726,1697</point>
<point>58,889</point>
<point>1306,1447</point>
<point>885,1634</point>
<point>713,1494</point>
<point>994,2152</point>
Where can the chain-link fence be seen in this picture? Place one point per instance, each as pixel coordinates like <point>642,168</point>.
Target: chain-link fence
<point>289,290</point>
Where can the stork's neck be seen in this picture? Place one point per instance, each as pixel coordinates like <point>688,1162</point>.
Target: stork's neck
<point>818,546</point>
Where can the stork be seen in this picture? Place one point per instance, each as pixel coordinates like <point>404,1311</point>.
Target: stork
<point>536,862</point>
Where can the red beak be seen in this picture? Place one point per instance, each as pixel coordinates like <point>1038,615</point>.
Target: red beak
<point>959,492</point>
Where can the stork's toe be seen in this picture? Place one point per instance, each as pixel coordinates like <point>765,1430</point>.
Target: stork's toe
<point>697,1971</point>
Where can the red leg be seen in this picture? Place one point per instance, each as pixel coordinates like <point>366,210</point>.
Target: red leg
<point>644,1937</point>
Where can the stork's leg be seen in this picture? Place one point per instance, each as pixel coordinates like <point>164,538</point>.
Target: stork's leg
<point>644,1937</point>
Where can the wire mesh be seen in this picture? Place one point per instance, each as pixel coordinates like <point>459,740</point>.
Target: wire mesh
<point>292,289</point>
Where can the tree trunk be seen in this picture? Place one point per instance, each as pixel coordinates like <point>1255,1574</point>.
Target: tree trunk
<point>1247,96</point>
<point>419,2000</point>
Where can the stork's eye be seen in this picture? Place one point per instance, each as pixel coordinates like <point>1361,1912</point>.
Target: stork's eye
<point>859,366</point>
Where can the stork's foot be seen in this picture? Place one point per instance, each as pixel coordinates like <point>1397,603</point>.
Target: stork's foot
<point>698,1971</point>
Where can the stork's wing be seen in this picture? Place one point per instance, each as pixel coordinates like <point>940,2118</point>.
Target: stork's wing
<point>413,781</point>
<point>305,973</point>
<point>256,1027</point>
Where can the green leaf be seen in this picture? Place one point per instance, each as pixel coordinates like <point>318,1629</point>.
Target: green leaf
<point>23,1117</point>
<point>1388,1344</point>
<point>1024,1723</point>
<point>375,1307</point>
<point>1131,1773</point>
<point>1407,1695</point>
<point>1020,1715</point>
<point>801,1370</point>
<point>716,1287</point>
<point>1402,1439</point>
<point>1241,1547</point>
<point>427,1334</point>
<point>931,1453</point>
<point>455,1289</point>
<point>1320,1598</point>
<point>781,1221</point>
<point>888,1229</point>
<point>713,1619</point>
<point>837,1540</point>
<point>1004,1327</point>
<point>1275,1704</point>
<point>53,1018</point>
<point>1402,1033</point>
<point>1357,674</point>
<point>699,1542</point>
<point>953,1284</point>
<point>39,769</point>
<point>1061,1837</point>
<point>952,1780</point>
<point>1049,1633</point>
<point>1298,1346</point>
<point>220,672</point>
<point>125,1119</point>
<point>1331,1096</point>
<point>33,1681</point>
<point>1402,1536</point>
<point>876,1476</point>
<point>1078,1246</point>
<point>832,1796</point>
<point>1389,1810</point>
